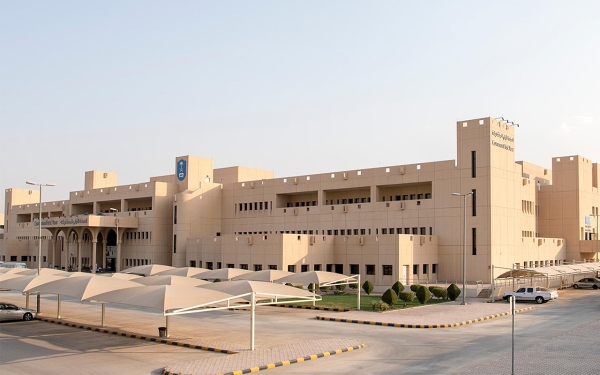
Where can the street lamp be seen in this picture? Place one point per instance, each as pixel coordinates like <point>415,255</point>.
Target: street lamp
<point>117,265</point>
<point>596,233</point>
<point>464,268</point>
<point>39,260</point>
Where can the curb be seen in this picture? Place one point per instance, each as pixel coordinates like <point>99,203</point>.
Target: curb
<point>141,337</point>
<point>403,325</point>
<point>282,363</point>
<point>314,308</point>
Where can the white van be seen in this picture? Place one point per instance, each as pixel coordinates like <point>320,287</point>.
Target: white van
<point>13,265</point>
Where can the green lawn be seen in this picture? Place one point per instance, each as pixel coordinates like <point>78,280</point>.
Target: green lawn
<point>348,301</point>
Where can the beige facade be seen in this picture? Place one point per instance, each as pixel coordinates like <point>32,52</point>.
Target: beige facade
<point>391,223</point>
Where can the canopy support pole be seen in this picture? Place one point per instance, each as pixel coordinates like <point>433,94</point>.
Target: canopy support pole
<point>493,285</point>
<point>27,300</point>
<point>358,294</point>
<point>167,324</point>
<point>252,319</point>
<point>103,312</point>
<point>58,308</point>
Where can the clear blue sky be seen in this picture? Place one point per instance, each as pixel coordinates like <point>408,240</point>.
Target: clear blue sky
<point>297,87</point>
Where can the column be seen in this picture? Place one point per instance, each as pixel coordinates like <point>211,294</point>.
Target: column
<point>53,259</point>
<point>79,242</point>
<point>103,251</point>
<point>118,257</point>
<point>93,260</point>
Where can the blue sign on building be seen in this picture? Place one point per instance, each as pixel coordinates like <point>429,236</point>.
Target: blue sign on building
<point>181,169</point>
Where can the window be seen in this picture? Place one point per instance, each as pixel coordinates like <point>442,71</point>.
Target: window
<point>304,268</point>
<point>209,265</point>
<point>244,266</point>
<point>23,258</point>
<point>415,231</point>
<point>415,269</point>
<point>192,263</point>
<point>423,231</point>
<point>317,267</point>
<point>370,269</point>
<point>474,239</point>
<point>434,268</point>
<point>174,243</point>
<point>174,214</point>
<point>474,202</point>
<point>413,196</point>
<point>329,268</point>
<point>425,269</point>
<point>292,268</point>
<point>258,267</point>
<point>230,265</point>
<point>272,266</point>
<point>383,230</point>
<point>387,270</point>
<point>473,164</point>
<point>219,265</point>
<point>354,269</point>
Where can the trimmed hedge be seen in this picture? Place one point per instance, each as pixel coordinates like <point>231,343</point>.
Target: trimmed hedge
<point>423,295</point>
<point>415,287</point>
<point>438,292</point>
<point>341,287</point>
<point>406,297</point>
<point>390,297</point>
<point>398,287</point>
<point>313,287</point>
<point>453,292</point>
<point>368,287</point>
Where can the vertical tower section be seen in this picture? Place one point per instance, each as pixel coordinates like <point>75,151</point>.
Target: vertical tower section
<point>487,168</point>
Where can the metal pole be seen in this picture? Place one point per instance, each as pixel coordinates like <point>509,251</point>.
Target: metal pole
<point>252,319</point>
<point>58,310</point>
<point>596,234</point>
<point>358,293</point>
<point>39,265</point>
<point>464,270</point>
<point>103,312</point>
<point>512,311</point>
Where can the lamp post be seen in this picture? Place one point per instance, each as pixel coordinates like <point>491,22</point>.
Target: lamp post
<point>117,265</point>
<point>39,260</point>
<point>464,267</point>
<point>596,216</point>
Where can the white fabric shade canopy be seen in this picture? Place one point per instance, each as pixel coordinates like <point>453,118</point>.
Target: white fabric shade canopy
<point>260,289</point>
<point>169,280</point>
<point>183,271</point>
<point>221,274</point>
<point>264,275</point>
<point>315,277</point>
<point>148,270</point>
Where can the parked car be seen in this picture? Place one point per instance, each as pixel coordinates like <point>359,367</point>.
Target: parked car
<point>588,282</point>
<point>532,293</point>
<point>8,311</point>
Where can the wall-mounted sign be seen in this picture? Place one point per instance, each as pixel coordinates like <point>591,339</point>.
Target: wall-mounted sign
<point>506,141</point>
<point>181,169</point>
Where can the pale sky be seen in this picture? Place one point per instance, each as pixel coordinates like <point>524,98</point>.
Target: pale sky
<point>297,87</point>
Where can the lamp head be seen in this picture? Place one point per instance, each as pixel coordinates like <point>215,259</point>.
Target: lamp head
<point>30,183</point>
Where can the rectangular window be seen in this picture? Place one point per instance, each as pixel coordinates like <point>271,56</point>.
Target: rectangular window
<point>209,265</point>
<point>474,239</point>
<point>329,232</point>
<point>304,268</point>
<point>329,268</point>
<point>219,265</point>
<point>415,269</point>
<point>174,243</point>
<point>272,266</point>
<point>354,269</point>
<point>425,269</point>
<point>413,196</point>
<point>23,258</point>
<point>362,231</point>
<point>230,265</point>
<point>258,267</point>
<point>474,202</point>
<point>240,207</point>
<point>391,230</point>
<point>383,230</point>
<point>335,232</point>
<point>317,267</point>
<point>434,268</point>
<point>370,269</point>
<point>388,270</point>
<point>244,266</point>
<point>174,214</point>
<point>423,231</point>
<point>266,205</point>
<point>473,164</point>
<point>192,263</point>
<point>291,268</point>
<point>415,231</point>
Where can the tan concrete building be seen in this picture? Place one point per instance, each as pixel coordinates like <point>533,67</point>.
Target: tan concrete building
<point>392,223</point>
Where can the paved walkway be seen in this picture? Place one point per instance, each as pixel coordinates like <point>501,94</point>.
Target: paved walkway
<point>138,323</point>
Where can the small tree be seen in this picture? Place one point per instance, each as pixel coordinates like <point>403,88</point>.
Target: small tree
<point>353,286</point>
<point>313,287</point>
<point>325,289</point>
<point>390,297</point>
<point>453,292</point>
<point>423,295</point>
<point>406,297</point>
<point>415,287</point>
<point>439,292</point>
<point>368,287</point>
<point>398,287</point>
<point>341,287</point>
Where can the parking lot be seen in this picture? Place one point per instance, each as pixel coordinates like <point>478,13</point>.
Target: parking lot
<point>479,348</point>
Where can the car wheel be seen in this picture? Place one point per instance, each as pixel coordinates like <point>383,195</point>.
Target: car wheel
<point>539,300</point>
<point>575,286</point>
<point>27,317</point>
<point>595,286</point>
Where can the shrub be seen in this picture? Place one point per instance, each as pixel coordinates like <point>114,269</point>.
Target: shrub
<point>439,292</point>
<point>299,286</point>
<point>325,289</point>
<point>368,287</point>
<point>341,287</point>
<point>406,297</point>
<point>289,284</point>
<point>415,287</point>
<point>423,295</point>
<point>217,281</point>
<point>313,287</point>
<point>390,297</point>
<point>431,287</point>
<point>398,287</point>
<point>353,286</point>
<point>379,306</point>
<point>453,292</point>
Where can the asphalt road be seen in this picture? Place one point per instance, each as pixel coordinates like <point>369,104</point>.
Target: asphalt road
<point>44,348</point>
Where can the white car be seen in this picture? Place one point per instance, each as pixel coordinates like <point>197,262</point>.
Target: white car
<point>8,311</point>
<point>532,293</point>
<point>588,282</point>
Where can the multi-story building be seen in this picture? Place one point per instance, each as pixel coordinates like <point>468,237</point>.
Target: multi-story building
<point>391,223</point>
